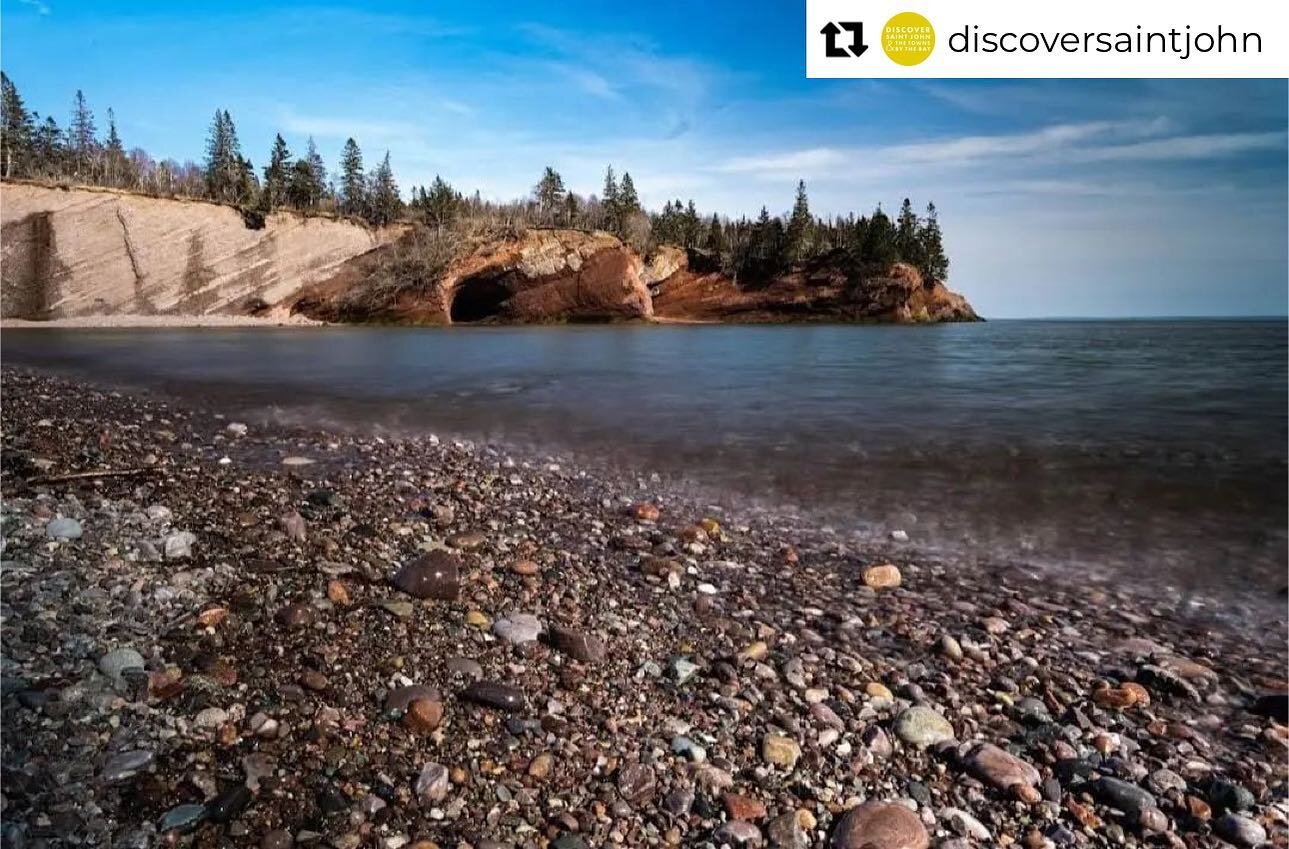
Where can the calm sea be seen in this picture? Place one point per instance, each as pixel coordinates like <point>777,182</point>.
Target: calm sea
<point>1141,446</point>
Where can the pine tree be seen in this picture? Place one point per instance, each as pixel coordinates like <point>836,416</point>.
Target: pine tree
<point>691,226</point>
<point>116,165</point>
<point>549,193</point>
<point>17,132</point>
<point>628,200</point>
<point>906,235</point>
<point>715,242</point>
<point>276,177</point>
<point>799,226</point>
<point>225,170</point>
<point>441,203</point>
<point>384,204</point>
<point>611,202</point>
<point>353,184</point>
<point>216,156</point>
<point>935,265</point>
<point>245,186</point>
<point>879,241</point>
<point>570,210</point>
<point>81,135</point>
<point>317,184</point>
<point>307,180</point>
<point>48,145</point>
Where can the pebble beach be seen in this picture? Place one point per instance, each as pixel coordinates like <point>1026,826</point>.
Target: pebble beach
<point>227,633</point>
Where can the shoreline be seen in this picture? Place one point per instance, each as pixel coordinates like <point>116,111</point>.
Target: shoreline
<point>99,322</point>
<point>258,595</point>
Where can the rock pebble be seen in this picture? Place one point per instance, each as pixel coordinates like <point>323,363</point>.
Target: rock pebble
<point>882,577</point>
<point>495,695</point>
<point>434,576</point>
<point>922,726</point>
<point>880,825</point>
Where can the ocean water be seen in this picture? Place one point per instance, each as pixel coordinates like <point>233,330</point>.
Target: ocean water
<point>1143,447</point>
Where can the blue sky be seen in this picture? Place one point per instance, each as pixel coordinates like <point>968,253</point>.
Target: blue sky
<point>1059,198</point>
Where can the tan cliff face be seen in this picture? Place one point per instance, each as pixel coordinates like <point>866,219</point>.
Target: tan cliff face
<point>85,252</point>
<point>88,252</point>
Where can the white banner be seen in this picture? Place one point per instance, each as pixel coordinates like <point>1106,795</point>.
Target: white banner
<point>1023,38</point>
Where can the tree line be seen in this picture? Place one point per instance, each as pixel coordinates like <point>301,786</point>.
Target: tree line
<point>36,147</point>
<point>749,249</point>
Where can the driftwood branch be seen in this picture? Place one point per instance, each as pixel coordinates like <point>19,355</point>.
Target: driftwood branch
<point>101,473</point>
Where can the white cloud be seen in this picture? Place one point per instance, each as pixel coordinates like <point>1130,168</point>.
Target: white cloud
<point>1210,146</point>
<point>41,7</point>
<point>1093,141</point>
<point>810,161</point>
<point>584,78</point>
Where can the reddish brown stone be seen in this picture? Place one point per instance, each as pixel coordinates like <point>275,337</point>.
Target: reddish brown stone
<point>741,807</point>
<point>436,575</point>
<point>879,825</point>
<point>423,715</point>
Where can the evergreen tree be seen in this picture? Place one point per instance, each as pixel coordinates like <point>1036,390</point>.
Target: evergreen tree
<point>225,171</point>
<point>17,132</point>
<point>879,241</point>
<point>611,202</point>
<point>691,226</point>
<point>81,135</point>
<point>715,243</point>
<point>799,226</point>
<point>317,184</point>
<point>570,210</point>
<point>384,203</point>
<point>307,180</point>
<point>935,265</point>
<point>549,193</point>
<point>628,200</point>
<point>276,176</point>
<point>217,165</point>
<point>115,162</point>
<point>441,203</point>
<point>48,145</point>
<point>353,184</point>
<point>245,186</point>
<point>907,244</point>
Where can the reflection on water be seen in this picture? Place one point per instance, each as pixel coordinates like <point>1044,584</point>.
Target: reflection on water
<point>1143,445</point>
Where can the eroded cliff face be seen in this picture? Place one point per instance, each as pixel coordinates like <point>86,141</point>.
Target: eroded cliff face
<point>541,276</point>
<point>85,252</point>
<point>821,292</point>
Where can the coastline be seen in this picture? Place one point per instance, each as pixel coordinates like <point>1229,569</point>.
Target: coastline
<point>257,593</point>
<point>98,322</point>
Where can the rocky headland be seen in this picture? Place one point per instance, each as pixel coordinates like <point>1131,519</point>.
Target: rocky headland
<point>219,632</point>
<point>80,254</point>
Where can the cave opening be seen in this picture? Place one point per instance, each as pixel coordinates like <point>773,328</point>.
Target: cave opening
<point>479,299</point>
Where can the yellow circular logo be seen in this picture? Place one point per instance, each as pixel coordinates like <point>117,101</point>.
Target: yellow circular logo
<point>908,38</point>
